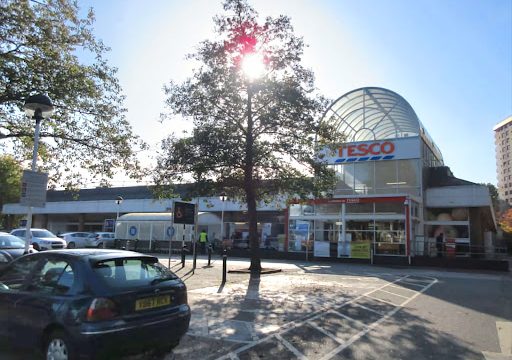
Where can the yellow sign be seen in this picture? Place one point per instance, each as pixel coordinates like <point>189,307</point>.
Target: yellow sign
<point>360,250</point>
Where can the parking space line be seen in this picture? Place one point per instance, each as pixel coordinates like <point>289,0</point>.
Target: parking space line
<point>322,311</point>
<point>411,283</point>
<point>389,292</point>
<point>325,332</point>
<point>348,317</point>
<point>402,288</point>
<point>382,300</point>
<point>290,347</point>
<point>376,323</point>
<point>370,309</point>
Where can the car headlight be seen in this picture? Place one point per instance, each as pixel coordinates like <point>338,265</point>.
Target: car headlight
<point>3,259</point>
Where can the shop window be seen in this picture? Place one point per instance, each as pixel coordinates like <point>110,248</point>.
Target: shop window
<point>408,176</point>
<point>362,208</point>
<point>390,237</point>
<point>329,209</point>
<point>385,177</point>
<point>447,214</point>
<point>345,174</point>
<point>364,178</point>
<point>389,208</point>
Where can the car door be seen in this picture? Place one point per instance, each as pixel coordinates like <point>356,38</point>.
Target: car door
<point>44,299</point>
<point>13,280</point>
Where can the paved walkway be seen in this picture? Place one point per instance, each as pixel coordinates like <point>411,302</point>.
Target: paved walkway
<point>308,311</point>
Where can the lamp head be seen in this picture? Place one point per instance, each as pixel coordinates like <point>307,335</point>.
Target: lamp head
<point>38,106</point>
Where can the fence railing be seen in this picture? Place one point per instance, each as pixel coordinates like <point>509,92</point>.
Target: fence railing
<point>431,248</point>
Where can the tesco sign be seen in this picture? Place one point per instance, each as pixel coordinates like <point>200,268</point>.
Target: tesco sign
<point>377,148</point>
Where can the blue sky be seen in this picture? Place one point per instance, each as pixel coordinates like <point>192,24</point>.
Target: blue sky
<point>450,59</point>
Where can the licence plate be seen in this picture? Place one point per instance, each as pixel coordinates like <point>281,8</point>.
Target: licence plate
<point>152,302</point>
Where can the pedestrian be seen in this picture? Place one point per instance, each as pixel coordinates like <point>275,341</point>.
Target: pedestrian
<point>439,244</point>
<point>203,239</point>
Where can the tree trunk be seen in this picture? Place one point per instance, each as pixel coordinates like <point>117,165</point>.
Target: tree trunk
<point>249,190</point>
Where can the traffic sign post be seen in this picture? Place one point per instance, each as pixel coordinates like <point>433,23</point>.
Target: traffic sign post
<point>33,188</point>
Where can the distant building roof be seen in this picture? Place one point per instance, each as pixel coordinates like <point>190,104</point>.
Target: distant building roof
<point>442,176</point>
<point>106,193</point>
<point>502,123</point>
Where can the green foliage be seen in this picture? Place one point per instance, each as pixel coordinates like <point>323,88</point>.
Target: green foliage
<point>251,139</point>
<point>10,182</point>
<point>272,152</point>
<point>45,47</point>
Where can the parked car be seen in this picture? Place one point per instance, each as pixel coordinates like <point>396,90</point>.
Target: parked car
<point>11,247</point>
<point>101,238</point>
<point>91,303</point>
<point>78,239</point>
<point>42,239</point>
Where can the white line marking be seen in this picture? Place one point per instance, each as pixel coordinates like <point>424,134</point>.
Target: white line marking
<point>332,336</point>
<point>410,283</point>
<point>370,309</point>
<point>291,347</point>
<point>402,288</point>
<point>293,324</point>
<point>347,317</point>
<point>382,300</point>
<point>392,293</point>
<point>375,324</point>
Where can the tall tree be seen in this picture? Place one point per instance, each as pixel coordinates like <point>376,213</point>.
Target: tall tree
<point>10,183</point>
<point>46,47</point>
<point>253,137</point>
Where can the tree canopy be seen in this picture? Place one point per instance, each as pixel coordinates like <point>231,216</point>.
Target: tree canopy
<point>252,138</point>
<point>46,47</point>
<point>10,183</point>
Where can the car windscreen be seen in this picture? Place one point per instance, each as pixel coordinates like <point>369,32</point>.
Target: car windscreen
<point>43,234</point>
<point>132,272</point>
<point>11,242</point>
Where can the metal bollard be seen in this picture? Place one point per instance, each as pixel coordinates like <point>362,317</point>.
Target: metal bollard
<point>224,265</point>
<point>209,254</point>
<point>183,249</point>
<point>194,247</point>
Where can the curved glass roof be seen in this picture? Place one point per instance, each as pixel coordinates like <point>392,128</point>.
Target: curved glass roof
<point>373,113</point>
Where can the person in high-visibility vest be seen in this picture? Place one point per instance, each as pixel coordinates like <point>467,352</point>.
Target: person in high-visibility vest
<point>203,239</point>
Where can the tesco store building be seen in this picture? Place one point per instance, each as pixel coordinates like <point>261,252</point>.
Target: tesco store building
<point>394,197</point>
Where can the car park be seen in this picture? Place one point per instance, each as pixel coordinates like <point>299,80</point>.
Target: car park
<point>92,304</point>
<point>101,238</point>
<point>42,239</point>
<point>78,239</point>
<point>11,247</point>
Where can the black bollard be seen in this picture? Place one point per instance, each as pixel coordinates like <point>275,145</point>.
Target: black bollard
<point>183,250</point>
<point>224,265</point>
<point>195,255</point>
<point>209,254</point>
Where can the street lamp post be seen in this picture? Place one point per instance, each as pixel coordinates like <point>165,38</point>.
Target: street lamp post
<point>119,201</point>
<point>223,199</point>
<point>37,107</point>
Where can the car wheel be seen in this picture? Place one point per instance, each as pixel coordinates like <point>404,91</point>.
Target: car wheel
<point>36,246</point>
<point>59,347</point>
<point>100,245</point>
<point>71,245</point>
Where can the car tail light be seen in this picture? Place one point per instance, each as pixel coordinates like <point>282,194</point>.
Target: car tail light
<point>102,309</point>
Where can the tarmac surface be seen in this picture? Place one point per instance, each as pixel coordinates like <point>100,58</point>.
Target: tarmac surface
<point>316,310</point>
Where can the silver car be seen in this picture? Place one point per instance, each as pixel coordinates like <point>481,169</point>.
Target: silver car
<point>101,238</point>
<point>42,239</point>
<point>78,239</point>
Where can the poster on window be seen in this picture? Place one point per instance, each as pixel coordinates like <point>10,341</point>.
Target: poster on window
<point>321,249</point>
<point>301,234</point>
<point>360,250</point>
